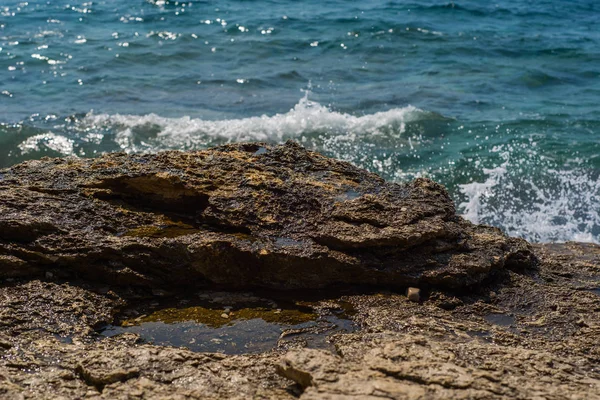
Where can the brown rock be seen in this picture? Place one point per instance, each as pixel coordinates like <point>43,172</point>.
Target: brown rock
<point>401,350</point>
<point>281,217</point>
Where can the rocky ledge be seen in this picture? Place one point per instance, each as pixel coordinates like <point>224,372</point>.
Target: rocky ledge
<point>88,243</point>
<point>245,215</point>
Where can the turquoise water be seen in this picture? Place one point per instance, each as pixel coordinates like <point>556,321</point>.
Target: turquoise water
<point>499,101</point>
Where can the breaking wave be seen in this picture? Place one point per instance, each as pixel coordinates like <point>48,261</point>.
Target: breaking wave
<point>307,119</point>
<point>511,185</point>
<point>549,204</point>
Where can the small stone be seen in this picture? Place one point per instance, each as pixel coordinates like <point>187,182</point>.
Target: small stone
<point>413,294</point>
<point>224,315</point>
<point>278,311</point>
<point>49,275</point>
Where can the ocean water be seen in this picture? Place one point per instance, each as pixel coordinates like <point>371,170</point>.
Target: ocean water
<point>499,101</point>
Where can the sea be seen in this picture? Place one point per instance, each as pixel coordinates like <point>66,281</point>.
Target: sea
<point>499,100</point>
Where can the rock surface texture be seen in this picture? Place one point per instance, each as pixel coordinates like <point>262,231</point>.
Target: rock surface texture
<point>84,242</point>
<point>238,216</point>
<point>447,346</point>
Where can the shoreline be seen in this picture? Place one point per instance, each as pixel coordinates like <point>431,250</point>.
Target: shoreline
<point>132,240</point>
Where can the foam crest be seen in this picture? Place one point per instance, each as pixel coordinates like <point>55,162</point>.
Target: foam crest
<point>308,118</point>
<point>550,205</point>
<point>477,193</point>
<point>51,141</point>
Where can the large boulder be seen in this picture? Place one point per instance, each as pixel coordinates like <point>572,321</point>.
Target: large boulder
<point>239,216</point>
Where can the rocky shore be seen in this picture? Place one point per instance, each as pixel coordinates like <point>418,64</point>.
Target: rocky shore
<point>91,243</point>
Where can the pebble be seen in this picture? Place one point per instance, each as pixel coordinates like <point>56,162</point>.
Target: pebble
<point>413,294</point>
<point>224,315</point>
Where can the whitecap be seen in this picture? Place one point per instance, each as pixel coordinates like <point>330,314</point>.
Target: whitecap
<point>49,141</point>
<point>305,119</point>
<point>548,204</point>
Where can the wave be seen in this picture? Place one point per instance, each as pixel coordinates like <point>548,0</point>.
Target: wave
<point>50,140</point>
<point>515,187</point>
<point>556,205</point>
<point>307,119</point>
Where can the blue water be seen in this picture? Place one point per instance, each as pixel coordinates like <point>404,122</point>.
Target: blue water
<point>499,101</point>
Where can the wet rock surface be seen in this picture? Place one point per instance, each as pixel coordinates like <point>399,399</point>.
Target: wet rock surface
<point>487,324</point>
<point>444,346</point>
<point>239,216</point>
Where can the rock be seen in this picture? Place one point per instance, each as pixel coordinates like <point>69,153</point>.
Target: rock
<point>405,350</point>
<point>102,377</point>
<point>413,294</point>
<point>282,217</point>
<point>405,367</point>
<point>307,366</point>
<point>121,230</point>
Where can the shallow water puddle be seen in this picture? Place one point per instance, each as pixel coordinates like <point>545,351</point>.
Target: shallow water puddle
<point>235,324</point>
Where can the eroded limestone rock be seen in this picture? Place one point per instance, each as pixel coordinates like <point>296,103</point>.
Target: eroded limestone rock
<point>239,215</point>
<point>402,349</point>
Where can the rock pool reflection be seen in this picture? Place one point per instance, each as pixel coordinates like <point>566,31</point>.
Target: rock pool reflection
<point>231,327</point>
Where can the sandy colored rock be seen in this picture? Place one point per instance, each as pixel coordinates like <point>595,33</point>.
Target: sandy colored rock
<point>413,294</point>
<point>403,350</point>
<point>121,231</point>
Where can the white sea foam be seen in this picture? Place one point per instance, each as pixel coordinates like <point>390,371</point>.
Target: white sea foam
<point>49,141</point>
<point>521,191</point>
<point>307,118</point>
<point>478,192</point>
<point>554,205</point>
